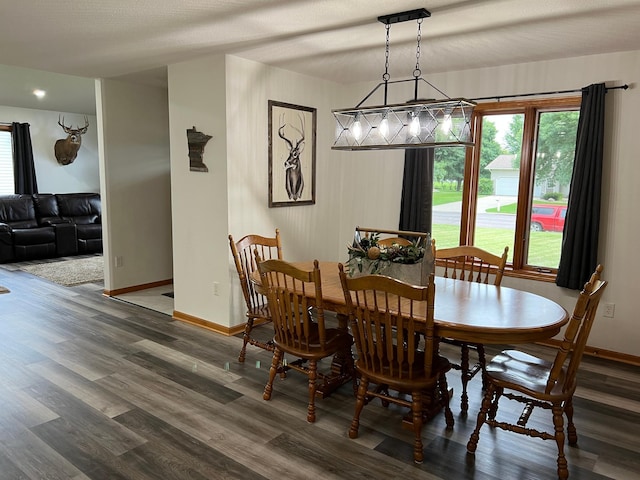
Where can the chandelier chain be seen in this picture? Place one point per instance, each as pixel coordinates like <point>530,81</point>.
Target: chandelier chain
<point>386,75</point>
<point>417,72</point>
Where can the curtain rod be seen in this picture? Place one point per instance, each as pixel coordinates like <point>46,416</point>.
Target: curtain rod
<point>500,97</point>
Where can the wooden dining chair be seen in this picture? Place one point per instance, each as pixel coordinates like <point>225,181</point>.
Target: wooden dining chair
<point>295,303</point>
<point>388,340</point>
<point>471,264</point>
<point>389,241</point>
<point>541,383</point>
<point>244,259</point>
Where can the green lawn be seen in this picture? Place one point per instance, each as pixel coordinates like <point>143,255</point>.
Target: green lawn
<point>512,207</point>
<point>544,247</point>
<point>440,198</point>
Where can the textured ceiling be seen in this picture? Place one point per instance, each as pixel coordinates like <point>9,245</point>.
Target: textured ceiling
<point>339,40</point>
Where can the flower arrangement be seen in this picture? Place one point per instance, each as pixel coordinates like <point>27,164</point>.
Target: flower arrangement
<point>367,256</point>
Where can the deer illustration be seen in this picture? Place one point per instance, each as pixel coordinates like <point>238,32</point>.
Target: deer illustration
<point>293,182</point>
<point>66,149</point>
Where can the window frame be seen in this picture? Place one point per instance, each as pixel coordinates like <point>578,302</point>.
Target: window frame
<point>531,110</point>
<point>8,129</point>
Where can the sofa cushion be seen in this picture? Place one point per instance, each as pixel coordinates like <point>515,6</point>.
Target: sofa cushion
<point>34,236</point>
<point>86,231</point>
<point>79,208</point>
<point>47,211</point>
<point>18,211</point>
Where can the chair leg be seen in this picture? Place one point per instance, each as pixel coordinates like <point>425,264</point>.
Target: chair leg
<point>416,410</point>
<point>572,434</point>
<point>445,400</point>
<point>482,418</point>
<point>362,393</point>
<point>563,471</point>
<point>482,361</point>
<point>493,411</point>
<point>464,376</point>
<point>246,336</point>
<point>313,374</point>
<point>275,362</point>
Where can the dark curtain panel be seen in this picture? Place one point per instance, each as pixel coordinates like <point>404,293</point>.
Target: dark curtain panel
<point>578,259</point>
<point>24,171</point>
<point>417,190</point>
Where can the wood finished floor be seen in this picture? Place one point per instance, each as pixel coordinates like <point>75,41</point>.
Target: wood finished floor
<point>95,388</point>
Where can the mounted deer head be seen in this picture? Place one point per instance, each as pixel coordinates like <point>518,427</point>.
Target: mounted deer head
<point>66,149</point>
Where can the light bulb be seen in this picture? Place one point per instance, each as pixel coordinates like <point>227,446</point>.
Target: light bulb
<point>384,127</point>
<point>414,127</point>
<point>446,124</point>
<point>357,129</point>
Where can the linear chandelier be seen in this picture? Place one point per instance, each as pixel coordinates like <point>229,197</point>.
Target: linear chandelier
<point>415,124</point>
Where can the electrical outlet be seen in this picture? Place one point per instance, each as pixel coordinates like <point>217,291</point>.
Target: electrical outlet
<point>119,261</point>
<point>216,288</point>
<point>609,310</point>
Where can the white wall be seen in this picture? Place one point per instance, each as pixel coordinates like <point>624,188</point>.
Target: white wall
<point>199,199</point>
<point>80,176</point>
<point>346,189</point>
<point>135,175</point>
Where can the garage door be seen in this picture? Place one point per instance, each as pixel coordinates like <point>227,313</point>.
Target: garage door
<point>507,186</point>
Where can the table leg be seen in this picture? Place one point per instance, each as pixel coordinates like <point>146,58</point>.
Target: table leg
<point>342,370</point>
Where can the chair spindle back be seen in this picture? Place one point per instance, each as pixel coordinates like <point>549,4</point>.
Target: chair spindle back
<point>382,319</point>
<point>472,264</point>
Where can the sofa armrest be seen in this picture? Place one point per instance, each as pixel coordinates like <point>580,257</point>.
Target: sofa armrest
<point>5,228</point>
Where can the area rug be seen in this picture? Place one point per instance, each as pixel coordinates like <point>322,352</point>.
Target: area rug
<point>69,272</point>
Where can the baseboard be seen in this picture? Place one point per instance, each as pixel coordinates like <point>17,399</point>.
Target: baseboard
<point>600,352</point>
<point>214,327</point>
<point>136,288</point>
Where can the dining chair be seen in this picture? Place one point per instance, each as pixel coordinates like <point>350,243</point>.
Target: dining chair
<point>295,302</point>
<point>542,383</point>
<point>389,241</point>
<point>390,352</point>
<point>244,259</point>
<point>471,264</point>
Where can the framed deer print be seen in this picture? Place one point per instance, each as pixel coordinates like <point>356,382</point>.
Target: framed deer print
<point>292,155</point>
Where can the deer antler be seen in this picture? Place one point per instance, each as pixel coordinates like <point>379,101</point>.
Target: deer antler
<point>83,130</point>
<point>300,131</point>
<point>64,127</point>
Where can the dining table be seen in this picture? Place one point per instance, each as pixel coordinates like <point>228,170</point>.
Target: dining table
<point>465,311</point>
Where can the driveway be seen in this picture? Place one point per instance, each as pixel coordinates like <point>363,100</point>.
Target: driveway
<point>449,213</point>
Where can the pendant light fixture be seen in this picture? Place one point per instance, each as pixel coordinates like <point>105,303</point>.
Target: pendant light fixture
<point>415,124</point>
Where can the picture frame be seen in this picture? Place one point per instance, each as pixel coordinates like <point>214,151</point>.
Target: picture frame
<point>292,155</point>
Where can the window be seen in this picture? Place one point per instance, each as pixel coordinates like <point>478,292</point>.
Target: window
<point>6,162</point>
<point>512,187</point>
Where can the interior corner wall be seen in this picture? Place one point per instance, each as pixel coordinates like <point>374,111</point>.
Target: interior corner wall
<point>199,199</point>
<point>135,178</point>
<point>81,176</point>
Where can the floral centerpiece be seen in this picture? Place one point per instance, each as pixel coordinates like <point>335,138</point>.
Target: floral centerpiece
<point>368,256</point>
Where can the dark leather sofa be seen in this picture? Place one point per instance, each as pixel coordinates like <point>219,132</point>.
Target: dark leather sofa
<point>49,225</point>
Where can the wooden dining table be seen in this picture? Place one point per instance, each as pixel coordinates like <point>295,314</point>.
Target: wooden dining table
<point>466,311</point>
